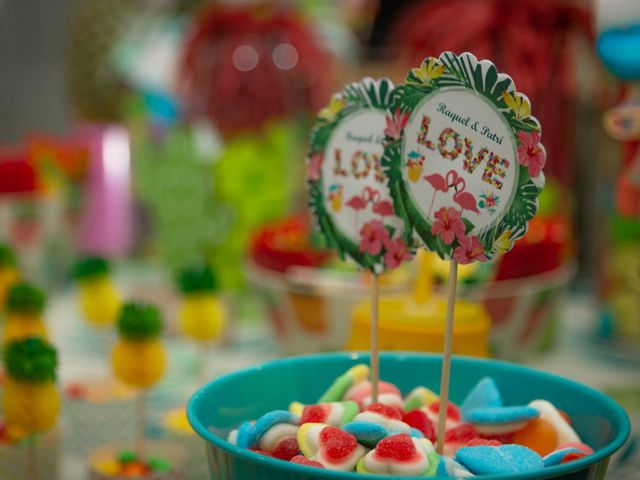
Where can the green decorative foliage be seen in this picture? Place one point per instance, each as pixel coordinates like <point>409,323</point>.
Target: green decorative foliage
<point>139,321</point>
<point>31,360</point>
<point>7,256</point>
<point>90,267</point>
<point>25,298</point>
<point>261,165</point>
<point>198,279</point>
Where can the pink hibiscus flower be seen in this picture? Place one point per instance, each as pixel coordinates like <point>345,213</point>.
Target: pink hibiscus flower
<point>396,124</point>
<point>373,236</point>
<point>314,167</point>
<point>448,225</point>
<point>397,252</point>
<point>530,152</point>
<point>470,250</point>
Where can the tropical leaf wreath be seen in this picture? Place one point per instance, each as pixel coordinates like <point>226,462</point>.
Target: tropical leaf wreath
<point>355,97</point>
<point>451,70</point>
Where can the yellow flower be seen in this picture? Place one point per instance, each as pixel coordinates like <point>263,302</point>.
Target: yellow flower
<point>504,242</point>
<point>330,111</point>
<point>518,103</point>
<point>428,71</point>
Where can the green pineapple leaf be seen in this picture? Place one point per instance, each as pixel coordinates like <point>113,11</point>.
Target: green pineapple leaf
<point>139,321</point>
<point>25,298</point>
<point>90,267</point>
<point>32,360</point>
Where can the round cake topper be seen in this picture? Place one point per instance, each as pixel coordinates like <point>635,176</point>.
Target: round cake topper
<point>465,169</point>
<point>347,187</point>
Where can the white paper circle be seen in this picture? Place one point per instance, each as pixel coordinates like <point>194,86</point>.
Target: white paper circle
<point>462,127</point>
<point>355,187</point>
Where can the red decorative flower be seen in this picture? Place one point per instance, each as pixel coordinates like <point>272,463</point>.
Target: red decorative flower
<point>373,236</point>
<point>315,165</point>
<point>396,124</point>
<point>397,252</point>
<point>530,152</point>
<point>470,250</point>
<point>448,225</point>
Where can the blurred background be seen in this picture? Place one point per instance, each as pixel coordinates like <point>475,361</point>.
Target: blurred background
<point>158,146</point>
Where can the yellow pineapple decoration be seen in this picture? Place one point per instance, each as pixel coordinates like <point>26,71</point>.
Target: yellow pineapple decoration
<point>30,401</point>
<point>24,307</point>
<point>9,274</point>
<point>138,358</point>
<point>202,316</point>
<point>98,298</point>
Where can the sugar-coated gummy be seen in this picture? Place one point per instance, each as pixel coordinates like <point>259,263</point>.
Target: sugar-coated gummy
<point>501,415</point>
<point>503,460</point>
<point>484,394</point>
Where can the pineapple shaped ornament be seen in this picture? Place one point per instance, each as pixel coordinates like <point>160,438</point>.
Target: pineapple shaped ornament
<point>24,307</point>
<point>202,315</point>
<point>9,274</point>
<point>98,298</point>
<point>138,357</point>
<point>30,402</point>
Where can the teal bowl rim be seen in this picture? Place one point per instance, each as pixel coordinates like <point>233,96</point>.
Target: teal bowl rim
<point>292,468</point>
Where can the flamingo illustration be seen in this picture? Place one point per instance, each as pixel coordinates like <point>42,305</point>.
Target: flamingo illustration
<point>357,202</point>
<point>441,184</point>
<point>383,208</point>
<point>465,200</point>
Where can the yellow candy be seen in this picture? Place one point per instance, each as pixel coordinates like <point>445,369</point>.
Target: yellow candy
<point>358,373</point>
<point>203,316</point>
<point>20,326</point>
<point>296,408</point>
<point>108,467</point>
<point>138,363</point>
<point>30,407</point>
<point>99,301</point>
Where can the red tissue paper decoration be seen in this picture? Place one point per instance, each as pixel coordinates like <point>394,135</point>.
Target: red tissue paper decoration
<point>531,40</point>
<point>244,66</point>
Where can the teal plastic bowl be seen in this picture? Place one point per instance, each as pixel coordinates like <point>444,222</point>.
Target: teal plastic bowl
<point>223,404</point>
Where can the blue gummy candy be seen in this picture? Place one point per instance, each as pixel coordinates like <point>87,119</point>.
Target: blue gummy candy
<point>502,460</point>
<point>265,423</point>
<point>484,394</point>
<point>415,433</point>
<point>367,434</point>
<point>243,434</point>
<point>501,415</point>
<point>555,458</point>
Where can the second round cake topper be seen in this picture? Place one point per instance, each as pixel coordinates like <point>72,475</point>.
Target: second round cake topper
<point>347,186</point>
<point>466,170</point>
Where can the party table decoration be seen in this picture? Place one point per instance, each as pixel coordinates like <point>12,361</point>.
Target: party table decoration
<point>471,135</point>
<point>98,297</point>
<point>347,185</point>
<point>203,316</point>
<point>138,358</point>
<point>24,306</point>
<point>31,402</point>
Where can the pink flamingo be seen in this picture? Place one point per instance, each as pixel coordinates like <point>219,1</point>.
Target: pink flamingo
<point>465,200</point>
<point>357,202</point>
<point>381,207</point>
<point>441,184</point>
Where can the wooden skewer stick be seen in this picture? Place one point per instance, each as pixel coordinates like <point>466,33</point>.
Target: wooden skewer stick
<point>375,354</point>
<point>446,355</point>
<point>141,424</point>
<point>32,458</point>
